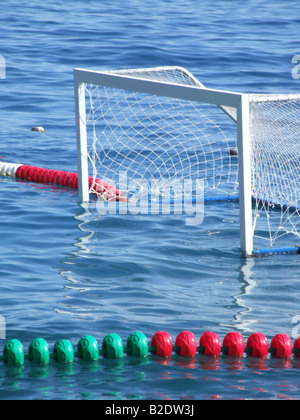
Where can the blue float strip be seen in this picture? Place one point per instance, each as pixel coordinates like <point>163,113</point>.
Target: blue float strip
<point>280,206</point>
<point>195,200</point>
<point>235,198</point>
<point>270,251</point>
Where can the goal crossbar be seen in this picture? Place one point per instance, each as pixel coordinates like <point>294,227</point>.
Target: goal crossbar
<point>188,93</point>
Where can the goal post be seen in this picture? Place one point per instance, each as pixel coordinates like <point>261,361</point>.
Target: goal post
<point>244,171</point>
<point>161,126</point>
<point>81,135</point>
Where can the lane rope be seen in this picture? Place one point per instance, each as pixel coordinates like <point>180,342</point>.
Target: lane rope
<point>66,179</point>
<point>137,345</point>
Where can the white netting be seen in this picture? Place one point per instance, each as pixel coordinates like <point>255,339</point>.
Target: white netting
<point>275,161</point>
<point>159,141</point>
<point>175,75</point>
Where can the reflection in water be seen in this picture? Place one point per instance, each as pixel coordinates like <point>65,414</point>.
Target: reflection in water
<point>84,219</point>
<point>209,362</point>
<point>233,363</point>
<point>187,363</point>
<point>256,363</point>
<point>247,284</point>
<point>88,252</point>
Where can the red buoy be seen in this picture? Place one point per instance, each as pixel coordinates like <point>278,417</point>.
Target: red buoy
<point>282,346</point>
<point>258,344</point>
<point>162,341</point>
<point>211,344</point>
<point>297,347</point>
<point>233,152</point>
<point>234,344</point>
<point>187,343</point>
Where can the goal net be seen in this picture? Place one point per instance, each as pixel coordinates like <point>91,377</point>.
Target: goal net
<point>275,164</point>
<point>154,133</point>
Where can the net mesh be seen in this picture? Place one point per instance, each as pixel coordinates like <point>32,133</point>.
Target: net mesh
<point>159,142</point>
<point>275,144</point>
<point>175,75</point>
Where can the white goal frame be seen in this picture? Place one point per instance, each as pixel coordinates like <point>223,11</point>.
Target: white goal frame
<point>237,101</point>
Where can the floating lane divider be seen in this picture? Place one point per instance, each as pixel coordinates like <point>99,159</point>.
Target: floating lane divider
<point>161,346</point>
<point>63,178</point>
<point>195,200</point>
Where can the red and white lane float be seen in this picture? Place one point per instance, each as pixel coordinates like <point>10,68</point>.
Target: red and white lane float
<point>66,179</point>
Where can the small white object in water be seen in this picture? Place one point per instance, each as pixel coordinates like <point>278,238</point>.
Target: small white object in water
<point>39,129</point>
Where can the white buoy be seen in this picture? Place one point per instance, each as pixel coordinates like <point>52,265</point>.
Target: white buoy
<point>9,169</point>
<point>39,129</point>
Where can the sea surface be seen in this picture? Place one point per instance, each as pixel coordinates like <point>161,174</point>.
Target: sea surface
<point>67,271</point>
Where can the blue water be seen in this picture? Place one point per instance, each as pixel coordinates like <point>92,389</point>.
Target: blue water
<point>66,271</point>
